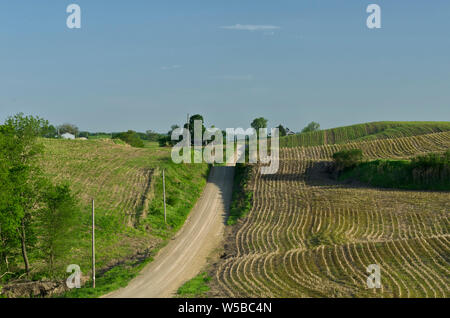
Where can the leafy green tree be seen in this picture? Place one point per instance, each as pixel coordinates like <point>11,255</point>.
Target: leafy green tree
<point>282,130</point>
<point>24,179</point>
<point>83,134</point>
<point>131,138</point>
<point>258,123</point>
<point>9,221</point>
<point>312,126</point>
<point>49,132</point>
<point>163,140</point>
<point>169,135</point>
<point>152,136</point>
<point>57,220</point>
<point>347,159</point>
<point>192,120</point>
<point>68,128</point>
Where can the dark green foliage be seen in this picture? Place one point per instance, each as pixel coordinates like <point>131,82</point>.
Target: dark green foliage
<point>312,126</point>
<point>23,183</point>
<point>83,134</point>
<point>282,130</point>
<point>68,128</point>
<point>242,198</point>
<point>165,140</point>
<point>258,123</point>
<point>99,135</point>
<point>191,126</point>
<point>152,136</point>
<point>428,172</point>
<point>347,159</point>
<point>49,132</point>
<point>57,221</point>
<point>32,211</point>
<point>131,138</point>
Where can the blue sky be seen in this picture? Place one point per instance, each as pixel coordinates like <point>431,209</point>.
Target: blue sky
<point>145,64</point>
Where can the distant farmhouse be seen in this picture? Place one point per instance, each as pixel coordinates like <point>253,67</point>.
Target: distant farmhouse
<point>289,132</point>
<point>67,136</point>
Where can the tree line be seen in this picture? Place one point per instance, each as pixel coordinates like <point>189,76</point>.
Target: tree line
<point>257,123</point>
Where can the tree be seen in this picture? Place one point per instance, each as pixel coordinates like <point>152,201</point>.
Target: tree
<point>131,138</point>
<point>49,132</point>
<point>56,222</point>
<point>9,221</point>
<point>192,120</point>
<point>83,134</point>
<point>68,128</point>
<point>282,130</point>
<point>258,123</point>
<point>152,135</point>
<point>23,178</point>
<point>312,126</point>
<point>347,159</point>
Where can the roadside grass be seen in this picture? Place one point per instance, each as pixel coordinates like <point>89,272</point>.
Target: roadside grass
<point>242,197</point>
<point>197,287</point>
<point>117,277</point>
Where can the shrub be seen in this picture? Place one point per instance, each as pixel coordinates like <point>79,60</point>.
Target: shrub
<point>347,159</point>
<point>131,138</point>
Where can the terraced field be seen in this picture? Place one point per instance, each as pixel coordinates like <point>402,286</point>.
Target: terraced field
<point>118,176</point>
<point>309,236</point>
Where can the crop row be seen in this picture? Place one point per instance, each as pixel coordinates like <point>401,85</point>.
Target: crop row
<point>309,236</point>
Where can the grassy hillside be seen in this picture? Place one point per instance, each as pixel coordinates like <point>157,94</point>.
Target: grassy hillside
<point>126,184</point>
<point>367,131</point>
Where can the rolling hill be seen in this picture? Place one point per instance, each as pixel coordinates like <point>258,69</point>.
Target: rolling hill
<point>308,235</point>
<point>126,184</point>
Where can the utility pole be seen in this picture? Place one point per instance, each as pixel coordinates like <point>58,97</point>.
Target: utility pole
<point>164,197</point>
<point>187,122</point>
<point>188,131</point>
<point>93,244</point>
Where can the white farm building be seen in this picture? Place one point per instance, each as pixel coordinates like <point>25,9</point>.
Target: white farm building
<point>67,136</point>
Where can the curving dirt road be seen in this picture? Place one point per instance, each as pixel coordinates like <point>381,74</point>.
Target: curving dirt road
<point>187,253</point>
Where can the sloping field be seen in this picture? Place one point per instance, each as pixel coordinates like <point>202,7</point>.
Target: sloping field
<point>126,184</point>
<point>309,236</point>
<point>367,131</point>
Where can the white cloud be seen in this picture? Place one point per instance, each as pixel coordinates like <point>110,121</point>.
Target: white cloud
<point>170,67</point>
<point>251,27</point>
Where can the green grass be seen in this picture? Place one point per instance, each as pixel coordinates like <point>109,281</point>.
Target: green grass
<point>367,131</point>
<point>126,183</point>
<point>242,198</point>
<point>196,287</point>
<point>117,277</point>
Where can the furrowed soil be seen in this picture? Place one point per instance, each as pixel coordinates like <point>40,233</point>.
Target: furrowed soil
<point>308,235</point>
